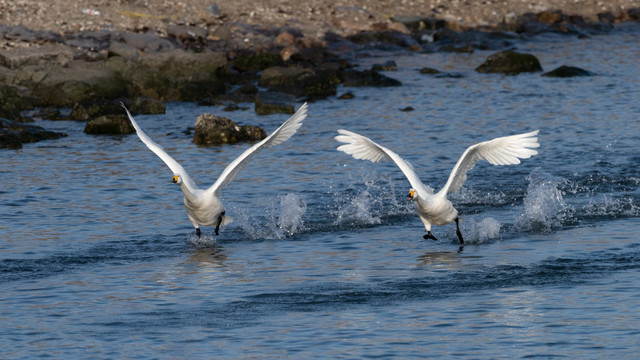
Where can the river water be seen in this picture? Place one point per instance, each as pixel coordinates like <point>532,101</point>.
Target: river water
<point>325,258</point>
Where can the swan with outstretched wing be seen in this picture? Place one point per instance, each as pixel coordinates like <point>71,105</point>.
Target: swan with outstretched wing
<point>435,208</point>
<point>203,205</point>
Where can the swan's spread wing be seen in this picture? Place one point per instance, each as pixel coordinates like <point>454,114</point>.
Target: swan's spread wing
<point>363,148</point>
<point>158,150</point>
<point>280,135</point>
<point>506,150</point>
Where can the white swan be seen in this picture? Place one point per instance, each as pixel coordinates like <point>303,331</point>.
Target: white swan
<point>435,208</point>
<point>204,206</point>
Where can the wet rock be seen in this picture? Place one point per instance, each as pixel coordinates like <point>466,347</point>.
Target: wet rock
<point>87,110</point>
<point>457,49</point>
<point>346,96</point>
<point>14,99</point>
<point>407,109</point>
<point>355,78</point>
<point>216,130</point>
<point>53,114</point>
<point>420,23</point>
<point>384,39</point>
<point>273,102</point>
<point>429,71</point>
<point>13,134</point>
<point>510,63</point>
<point>146,105</point>
<point>245,93</point>
<point>606,17</point>
<point>299,81</point>
<point>109,125</point>
<point>567,71</point>
<point>634,13</point>
<point>47,54</point>
<point>257,62</point>
<point>387,66</point>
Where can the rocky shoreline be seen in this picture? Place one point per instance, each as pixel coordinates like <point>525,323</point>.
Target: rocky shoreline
<point>92,72</point>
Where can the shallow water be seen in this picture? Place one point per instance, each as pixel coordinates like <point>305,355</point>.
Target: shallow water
<point>325,257</point>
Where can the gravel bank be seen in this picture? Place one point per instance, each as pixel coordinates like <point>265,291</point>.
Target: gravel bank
<point>313,17</point>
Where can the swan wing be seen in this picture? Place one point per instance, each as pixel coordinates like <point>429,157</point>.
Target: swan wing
<point>507,150</point>
<point>363,148</point>
<point>162,154</point>
<point>280,135</point>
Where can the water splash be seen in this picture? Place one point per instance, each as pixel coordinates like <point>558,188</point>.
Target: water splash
<point>282,218</point>
<point>483,231</point>
<point>544,205</point>
<point>367,201</point>
<point>292,207</point>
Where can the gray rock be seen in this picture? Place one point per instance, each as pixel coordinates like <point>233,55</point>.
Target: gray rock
<point>109,125</point>
<point>273,102</point>
<point>79,81</point>
<point>387,66</point>
<point>146,42</point>
<point>86,110</point>
<point>216,130</point>
<point>186,31</point>
<point>47,54</point>
<point>117,48</point>
<point>174,75</point>
<point>354,78</point>
<point>510,63</point>
<point>13,135</point>
<point>145,105</point>
<point>567,71</point>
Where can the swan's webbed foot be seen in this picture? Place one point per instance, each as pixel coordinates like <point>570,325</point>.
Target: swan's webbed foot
<point>458,231</point>
<point>430,236</point>
<point>219,222</point>
<point>198,232</point>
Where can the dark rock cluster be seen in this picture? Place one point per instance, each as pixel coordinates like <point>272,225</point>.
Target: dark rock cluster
<point>93,72</point>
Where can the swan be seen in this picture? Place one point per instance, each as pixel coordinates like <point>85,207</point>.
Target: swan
<point>203,205</point>
<point>435,208</point>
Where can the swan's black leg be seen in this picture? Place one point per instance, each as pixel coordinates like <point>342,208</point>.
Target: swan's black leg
<point>458,231</point>
<point>429,236</point>
<point>219,222</point>
<point>198,231</point>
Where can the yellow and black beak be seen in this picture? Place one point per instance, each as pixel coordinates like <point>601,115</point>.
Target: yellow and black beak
<point>412,194</point>
<point>175,179</point>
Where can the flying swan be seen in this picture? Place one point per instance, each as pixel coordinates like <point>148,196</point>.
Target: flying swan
<point>435,208</point>
<point>204,206</point>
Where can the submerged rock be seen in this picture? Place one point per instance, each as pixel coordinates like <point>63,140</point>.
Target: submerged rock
<point>273,102</point>
<point>387,66</point>
<point>217,130</point>
<point>567,71</point>
<point>357,78</point>
<point>109,125</point>
<point>299,81</point>
<point>510,63</point>
<point>13,134</point>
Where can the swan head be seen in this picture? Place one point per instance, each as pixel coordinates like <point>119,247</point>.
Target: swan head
<point>176,179</point>
<point>412,194</point>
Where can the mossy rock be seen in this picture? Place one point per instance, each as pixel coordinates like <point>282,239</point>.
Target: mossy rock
<point>510,63</point>
<point>257,62</point>
<point>109,125</point>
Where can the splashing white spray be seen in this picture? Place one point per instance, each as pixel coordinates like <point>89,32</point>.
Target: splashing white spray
<point>292,207</point>
<point>544,204</point>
